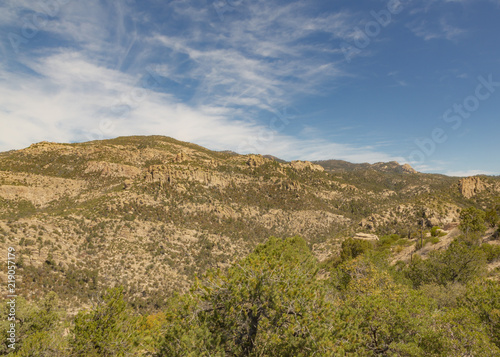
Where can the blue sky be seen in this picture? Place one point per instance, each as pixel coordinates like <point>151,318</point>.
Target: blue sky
<point>363,81</point>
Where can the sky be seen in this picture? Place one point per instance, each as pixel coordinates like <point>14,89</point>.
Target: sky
<point>411,81</point>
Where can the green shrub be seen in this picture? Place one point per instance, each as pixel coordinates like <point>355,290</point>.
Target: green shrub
<point>106,330</point>
<point>403,242</point>
<point>268,304</point>
<point>388,240</point>
<point>435,231</point>
<point>460,263</point>
<point>432,240</point>
<point>492,252</point>
<point>472,223</point>
<point>491,217</point>
<point>483,298</point>
<point>351,248</point>
<point>38,327</point>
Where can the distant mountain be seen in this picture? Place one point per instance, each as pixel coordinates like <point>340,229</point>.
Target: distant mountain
<point>340,165</point>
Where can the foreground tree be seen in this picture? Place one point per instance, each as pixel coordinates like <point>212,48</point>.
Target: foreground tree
<point>460,263</point>
<point>472,223</point>
<point>106,330</point>
<point>483,298</point>
<point>491,217</point>
<point>274,304</point>
<point>268,304</point>
<point>38,328</point>
<point>377,316</point>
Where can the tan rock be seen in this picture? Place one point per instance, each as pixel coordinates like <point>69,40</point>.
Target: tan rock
<point>127,184</point>
<point>111,169</point>
<point>348,187</point>
<point>305,165</point>
<point>470,186</point>
<point>165,174</point>
<point>38,189</point>
<point>37,195</point>
<point>158,173</point>
<point>366,236</point>
<point>44,146</point>
<point>256,160</point>
<point>289,185</point>
<point>181,157</point>
<point>408,169</point>
<point>212,164</point>
<point>181,189</point>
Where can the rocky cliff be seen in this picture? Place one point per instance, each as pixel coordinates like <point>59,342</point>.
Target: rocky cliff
<point>470,186</point>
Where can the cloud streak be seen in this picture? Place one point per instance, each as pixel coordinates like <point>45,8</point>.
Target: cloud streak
<point>73,99</point>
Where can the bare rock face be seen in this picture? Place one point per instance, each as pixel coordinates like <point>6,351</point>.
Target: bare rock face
<point>365,223</point>
<point>111,169</point>
<point>164,174</point>
<point>158,173</point>
<point>37,195</point>
<point>212,164</point>
<point>305,165</point>
<point>181,157</point>
<point>470,186</point>
<point>127,184</point>
<point>255,160</point>
<point>366,236</point>
<point>289,185</point>
<point>408,169</point>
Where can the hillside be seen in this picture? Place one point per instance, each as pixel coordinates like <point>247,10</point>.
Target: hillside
<point>149,213</point>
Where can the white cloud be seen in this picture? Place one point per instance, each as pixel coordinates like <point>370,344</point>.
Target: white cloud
<point>431,31</point>
<point>75,100</point>
<point>263,56</point>
<point>468,173</point>
<point>261,60</point>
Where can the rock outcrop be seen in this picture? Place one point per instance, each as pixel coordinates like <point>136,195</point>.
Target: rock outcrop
<point>289,185</point>
<point>471,186</point>
<point>181,157</point>
<point>45,146</point>
<point>159,173</point>
<point>305,165</point>
<point>255,161</point>
<point>111,169</point>
<point>366,236</point>
<point>406,168</point>
<point>165,174</point>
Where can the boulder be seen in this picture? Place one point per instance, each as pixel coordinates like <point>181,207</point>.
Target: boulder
<point>366,236</point>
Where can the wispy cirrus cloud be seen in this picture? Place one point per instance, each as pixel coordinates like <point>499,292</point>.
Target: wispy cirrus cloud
<point>440,30</point>
<point>215,81</point>
<point>262,56</point>
<point>211,83</point>
<point>468,173</point>
<point>74,99</point>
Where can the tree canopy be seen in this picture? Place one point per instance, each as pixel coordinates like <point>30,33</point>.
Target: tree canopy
<point>278,301</point>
